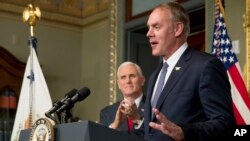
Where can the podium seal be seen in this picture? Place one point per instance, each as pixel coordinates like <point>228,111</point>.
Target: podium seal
<point>42,130</point>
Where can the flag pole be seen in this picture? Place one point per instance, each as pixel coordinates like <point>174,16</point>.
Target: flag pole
<point>30,15</point>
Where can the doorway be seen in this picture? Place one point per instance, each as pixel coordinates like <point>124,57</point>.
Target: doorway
<point>138,51</point>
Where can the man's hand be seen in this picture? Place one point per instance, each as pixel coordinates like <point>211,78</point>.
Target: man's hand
<point>129,108</point>
<point>166,126</point>
<point>119,118</point>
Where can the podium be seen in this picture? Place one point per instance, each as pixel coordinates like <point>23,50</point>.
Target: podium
<point>84,131</point>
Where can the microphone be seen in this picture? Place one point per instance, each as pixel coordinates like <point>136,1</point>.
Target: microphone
<point>58,104</point>
<point>79,96</point>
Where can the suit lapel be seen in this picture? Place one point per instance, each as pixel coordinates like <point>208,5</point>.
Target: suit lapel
<point>141,106</point>
<point>175,76</point>
<point>151,83</point>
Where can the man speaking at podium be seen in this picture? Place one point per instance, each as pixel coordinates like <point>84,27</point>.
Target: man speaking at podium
<point>126,114</point>
<point>188,96</point>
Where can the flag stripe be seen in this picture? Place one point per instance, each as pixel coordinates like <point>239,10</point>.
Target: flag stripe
<point>237,115</point>
<point>239,104</point>
<point>239,84</point>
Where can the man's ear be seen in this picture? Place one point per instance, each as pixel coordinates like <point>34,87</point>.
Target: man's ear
<point>118,84</point>
<point>179,27</point>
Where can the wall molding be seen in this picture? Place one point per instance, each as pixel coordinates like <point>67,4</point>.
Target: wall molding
<point>60,14</point>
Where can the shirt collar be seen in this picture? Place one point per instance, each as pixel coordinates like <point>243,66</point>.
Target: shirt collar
<point>172,60</point>
<point>138,100</point>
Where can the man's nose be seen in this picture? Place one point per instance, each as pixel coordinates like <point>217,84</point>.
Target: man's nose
<point>128,79</point>
<point>149,33</point>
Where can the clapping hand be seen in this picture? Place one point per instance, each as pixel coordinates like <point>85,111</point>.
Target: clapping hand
<point>129,108</point>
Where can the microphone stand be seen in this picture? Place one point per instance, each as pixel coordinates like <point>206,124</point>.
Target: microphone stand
<point>54,118</point>
<point>66,116</point>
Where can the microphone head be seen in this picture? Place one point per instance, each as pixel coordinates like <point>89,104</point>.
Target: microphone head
<point>83,93</point>
<point>78,96</point>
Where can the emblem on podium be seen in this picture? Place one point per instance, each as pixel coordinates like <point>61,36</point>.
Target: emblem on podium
<point>42,130</point>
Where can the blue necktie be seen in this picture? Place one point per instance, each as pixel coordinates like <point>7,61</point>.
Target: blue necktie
<point>160,84</point>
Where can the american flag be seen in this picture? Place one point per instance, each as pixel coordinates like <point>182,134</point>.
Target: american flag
<point>222,49</point>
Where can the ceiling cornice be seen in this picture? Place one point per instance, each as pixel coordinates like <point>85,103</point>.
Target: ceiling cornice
<point>72,12</point>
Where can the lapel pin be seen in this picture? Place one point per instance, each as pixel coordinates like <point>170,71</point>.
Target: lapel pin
<point>177,68</point>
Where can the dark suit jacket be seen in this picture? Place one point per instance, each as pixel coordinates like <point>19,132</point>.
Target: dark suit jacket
<point>107,114</point>
<point>197,97</point>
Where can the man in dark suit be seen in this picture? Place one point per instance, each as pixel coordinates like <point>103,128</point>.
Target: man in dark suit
<point>125,114</point>
<point>195,102</point>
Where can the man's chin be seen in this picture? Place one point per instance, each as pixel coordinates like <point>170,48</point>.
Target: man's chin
<point>155,54</point>
<point>129,93</point>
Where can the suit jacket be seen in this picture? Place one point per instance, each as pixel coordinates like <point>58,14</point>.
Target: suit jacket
<point>196,97</point>
<point>107,114</point>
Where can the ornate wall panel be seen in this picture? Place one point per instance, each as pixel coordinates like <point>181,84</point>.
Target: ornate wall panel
<point>113,52</point>
<point>246,26</point>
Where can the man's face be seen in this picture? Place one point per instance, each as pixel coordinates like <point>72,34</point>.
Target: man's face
<point>129,81</point>
<point>161,32</point>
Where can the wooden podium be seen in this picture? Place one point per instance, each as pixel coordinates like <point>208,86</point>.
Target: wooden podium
<point>84,131</point>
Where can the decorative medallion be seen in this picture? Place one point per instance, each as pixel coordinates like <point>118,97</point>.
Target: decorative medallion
<point>42,130</point>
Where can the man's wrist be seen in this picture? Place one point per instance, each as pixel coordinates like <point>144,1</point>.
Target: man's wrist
<point>110,126</point>
<point>113,126</point>
<point>138,121</point>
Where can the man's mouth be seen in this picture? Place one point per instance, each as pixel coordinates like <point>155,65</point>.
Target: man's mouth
<point>154,43</point>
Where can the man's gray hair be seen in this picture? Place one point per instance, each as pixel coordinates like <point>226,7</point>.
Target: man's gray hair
<point>179,14</point>
<point>138,68</point>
